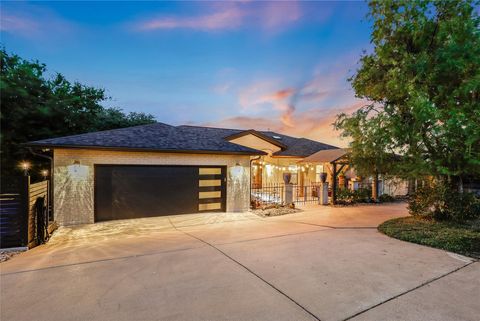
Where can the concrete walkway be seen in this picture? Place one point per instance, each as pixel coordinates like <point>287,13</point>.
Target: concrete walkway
<point>320,264</point>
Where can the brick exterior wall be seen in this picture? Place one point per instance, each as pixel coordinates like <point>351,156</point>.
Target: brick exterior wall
<point>74,185</point>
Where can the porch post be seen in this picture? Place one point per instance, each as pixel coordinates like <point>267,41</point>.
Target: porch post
<point>334,183</point>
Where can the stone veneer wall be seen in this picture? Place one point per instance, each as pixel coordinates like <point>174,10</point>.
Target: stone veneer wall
<point>74,185</point>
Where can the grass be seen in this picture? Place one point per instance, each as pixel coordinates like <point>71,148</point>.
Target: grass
<point>461,238</point>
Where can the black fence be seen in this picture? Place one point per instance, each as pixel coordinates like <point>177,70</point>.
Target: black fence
<point>269,194</point>
<point>306,194</point>
<point>24,213</point>
<point>12,224</point>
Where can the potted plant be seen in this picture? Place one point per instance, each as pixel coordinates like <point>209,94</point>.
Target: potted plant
<point>287,177</point>
<point>323,177</point>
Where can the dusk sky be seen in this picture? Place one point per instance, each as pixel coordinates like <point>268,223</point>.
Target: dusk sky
<point>281,66</point>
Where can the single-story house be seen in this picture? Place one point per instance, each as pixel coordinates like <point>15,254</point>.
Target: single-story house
<point>159,169</point>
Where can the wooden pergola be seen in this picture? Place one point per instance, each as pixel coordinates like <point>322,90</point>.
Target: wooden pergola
<point>338,158</point>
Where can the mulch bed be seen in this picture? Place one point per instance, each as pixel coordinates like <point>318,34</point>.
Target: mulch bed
<point>6,255</point>
<point>275,211</point>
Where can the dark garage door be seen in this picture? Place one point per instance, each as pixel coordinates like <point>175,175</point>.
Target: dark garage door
<point>124,191</point>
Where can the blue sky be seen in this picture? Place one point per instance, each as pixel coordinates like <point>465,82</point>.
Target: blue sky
<point>266,65</point>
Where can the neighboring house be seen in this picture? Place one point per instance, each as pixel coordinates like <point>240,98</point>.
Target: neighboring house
<point>158,169</point>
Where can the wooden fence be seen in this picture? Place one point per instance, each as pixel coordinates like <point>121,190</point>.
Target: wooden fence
<point>11,231</point>
<point>24,215</point>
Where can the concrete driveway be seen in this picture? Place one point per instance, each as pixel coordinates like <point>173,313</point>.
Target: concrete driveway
<point>321,264</point>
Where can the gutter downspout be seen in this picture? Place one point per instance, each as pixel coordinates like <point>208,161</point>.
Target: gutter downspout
<point>250,187</point>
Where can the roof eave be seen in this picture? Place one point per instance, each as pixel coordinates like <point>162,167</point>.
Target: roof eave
<point>121,148</point>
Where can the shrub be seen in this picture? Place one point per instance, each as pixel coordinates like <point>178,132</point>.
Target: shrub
<point>439,202</point>
<point>384,198</point>
<point>346,196</point>
<point>363,195</point>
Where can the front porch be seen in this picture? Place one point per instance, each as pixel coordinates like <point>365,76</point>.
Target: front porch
<point>307,177</point>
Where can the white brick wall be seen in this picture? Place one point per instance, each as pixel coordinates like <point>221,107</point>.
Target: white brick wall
<point>74,185</point>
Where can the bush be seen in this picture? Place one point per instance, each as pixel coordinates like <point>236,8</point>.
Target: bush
<point>385,198</point>
<point>439,202</point>
<point>363,195</point>
<point>346,196</point>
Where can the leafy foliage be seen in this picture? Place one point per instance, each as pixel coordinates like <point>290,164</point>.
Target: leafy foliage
<point>385,198</point>
<point>346,196</point>
<point>436,200</point>
<point>423,82</point>
<point>35,107</point>
<point>462,238</point>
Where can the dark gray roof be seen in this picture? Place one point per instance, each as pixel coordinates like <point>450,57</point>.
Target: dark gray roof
<point>298,146</point>
<point>167,138</point>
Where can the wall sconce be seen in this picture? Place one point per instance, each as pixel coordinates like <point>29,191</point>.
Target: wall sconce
<point>77,171</point>
<point>44,174</point>
<point>25,166</point>
<point>236,171</point>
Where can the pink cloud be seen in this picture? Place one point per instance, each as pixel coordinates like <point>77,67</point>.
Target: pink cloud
<point>270,16</point>
<point>228,18</point>
<point>314,124</point>
<point>35,23</point>
<point>16,24</point>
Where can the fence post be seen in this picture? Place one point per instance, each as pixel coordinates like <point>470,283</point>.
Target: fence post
<point>323,194</point>
<point>288,193</point>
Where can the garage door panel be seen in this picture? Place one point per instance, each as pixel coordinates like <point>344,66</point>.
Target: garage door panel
<point>123,192</point>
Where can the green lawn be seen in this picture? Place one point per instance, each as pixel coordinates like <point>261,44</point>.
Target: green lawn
<point>455,237</point>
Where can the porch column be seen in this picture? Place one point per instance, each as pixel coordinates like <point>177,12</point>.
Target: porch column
<point>334,183</point>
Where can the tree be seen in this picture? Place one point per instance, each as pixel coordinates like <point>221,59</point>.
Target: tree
<point>35,107</point>
<point>423,76</point>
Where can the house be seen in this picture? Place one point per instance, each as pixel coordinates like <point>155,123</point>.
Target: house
<point>159,169</point>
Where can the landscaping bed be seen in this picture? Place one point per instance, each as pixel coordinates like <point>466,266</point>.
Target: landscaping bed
<point>461,238</point>
<point>275,211</point>
<point>6,255</point>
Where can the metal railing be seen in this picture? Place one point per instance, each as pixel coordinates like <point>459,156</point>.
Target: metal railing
<point>306,194</point>
<point>274,193</point>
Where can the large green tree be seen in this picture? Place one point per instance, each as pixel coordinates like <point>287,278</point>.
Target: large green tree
<point>37,106</point>
<point>423,77</point>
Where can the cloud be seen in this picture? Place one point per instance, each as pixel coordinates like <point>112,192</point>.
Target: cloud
<point>315,124</point>
<point>307,109</point>
<point>34,22</point>
<point>261,96</point>
<point>228,18</point>
<point>270,16</point>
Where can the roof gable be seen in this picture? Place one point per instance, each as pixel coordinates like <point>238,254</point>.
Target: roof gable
<point>259,135</point>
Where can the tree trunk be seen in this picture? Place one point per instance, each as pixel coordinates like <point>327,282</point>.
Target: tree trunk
<point>375,187</point>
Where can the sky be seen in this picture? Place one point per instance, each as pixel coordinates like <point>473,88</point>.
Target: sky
<point>281,66</point>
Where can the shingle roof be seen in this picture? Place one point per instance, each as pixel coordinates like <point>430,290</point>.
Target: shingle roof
<point>163,137</point>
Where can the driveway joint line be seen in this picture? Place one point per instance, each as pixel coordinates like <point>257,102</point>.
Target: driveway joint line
<point>337,227</point>
<point>270,237</point>
<point>101,260</point>
<point>250,271</point>
<point>408,291</point>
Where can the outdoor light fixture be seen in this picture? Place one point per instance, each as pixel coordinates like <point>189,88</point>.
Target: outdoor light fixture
<point>44,174</point>
<point>236,170</point>
<point>77,171</point>
<point>25,166</point>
